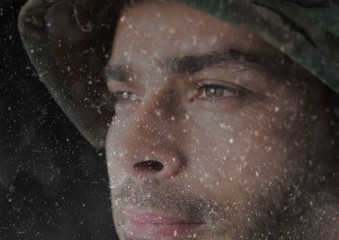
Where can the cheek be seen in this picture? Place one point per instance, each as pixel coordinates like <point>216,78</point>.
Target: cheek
<point>114,151</point>
<point>234,158</point>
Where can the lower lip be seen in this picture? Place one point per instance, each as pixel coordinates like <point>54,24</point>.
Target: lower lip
<point>155,226</point>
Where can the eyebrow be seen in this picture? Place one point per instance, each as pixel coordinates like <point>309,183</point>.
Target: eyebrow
<point>195,63</point>
<point>191,64</point>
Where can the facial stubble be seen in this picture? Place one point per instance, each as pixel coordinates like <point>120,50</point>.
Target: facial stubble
<point>258,216</point>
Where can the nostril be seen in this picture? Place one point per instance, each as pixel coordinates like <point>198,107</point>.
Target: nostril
<point>148,166</point>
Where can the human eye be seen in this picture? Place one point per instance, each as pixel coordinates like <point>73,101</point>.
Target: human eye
<point>124,96</point>
<point>125,101</point>
<point>217,91</point>
<point>218,95</point>
<point>121,92</point>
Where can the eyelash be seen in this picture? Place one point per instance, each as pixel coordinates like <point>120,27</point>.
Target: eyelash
<point>200,88</point>
<point>234,92</point>
<point>122,96</point>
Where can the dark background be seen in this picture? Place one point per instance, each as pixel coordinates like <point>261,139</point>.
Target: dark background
<point>53,184</point>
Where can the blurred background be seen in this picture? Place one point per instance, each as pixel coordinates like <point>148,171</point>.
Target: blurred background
<point>53,184</point>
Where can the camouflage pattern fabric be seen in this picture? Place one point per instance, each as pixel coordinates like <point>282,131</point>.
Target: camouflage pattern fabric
<point>68,43</point>
<point>307,31</point>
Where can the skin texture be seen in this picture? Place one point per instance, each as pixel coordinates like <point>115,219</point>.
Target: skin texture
<point>255,160</point>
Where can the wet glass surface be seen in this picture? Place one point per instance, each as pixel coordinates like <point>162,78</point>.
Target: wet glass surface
<point>182,127</point>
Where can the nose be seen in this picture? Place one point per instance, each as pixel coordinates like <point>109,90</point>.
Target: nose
<point>160,163</point>
<point>148,143</point>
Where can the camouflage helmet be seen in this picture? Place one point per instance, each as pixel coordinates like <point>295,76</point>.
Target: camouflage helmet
<point>305,30</point>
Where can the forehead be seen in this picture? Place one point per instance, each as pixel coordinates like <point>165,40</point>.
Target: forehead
<point>155,29</point>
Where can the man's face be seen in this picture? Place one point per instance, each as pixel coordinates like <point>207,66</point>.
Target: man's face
<point>215,131</point>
